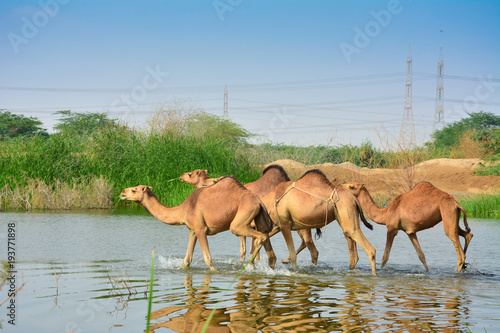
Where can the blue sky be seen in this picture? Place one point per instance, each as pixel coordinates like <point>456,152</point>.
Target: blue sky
<point>298,72</point>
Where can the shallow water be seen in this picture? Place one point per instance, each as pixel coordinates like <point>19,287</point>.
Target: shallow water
<point>89,271</point>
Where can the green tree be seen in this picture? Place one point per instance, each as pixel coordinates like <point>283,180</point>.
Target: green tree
<point>481,124</point>
<point>15,125</point>
<point>181,118</point>
<point>76,123</point>
<point>205,124</point>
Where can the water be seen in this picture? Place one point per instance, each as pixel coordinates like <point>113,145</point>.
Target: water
<point>89,271</point>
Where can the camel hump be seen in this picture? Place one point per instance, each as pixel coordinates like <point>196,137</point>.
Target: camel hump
<point>279,169</point>
<point>315,175</point>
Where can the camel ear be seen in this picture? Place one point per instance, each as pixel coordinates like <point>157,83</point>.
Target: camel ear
<point>147,188</point>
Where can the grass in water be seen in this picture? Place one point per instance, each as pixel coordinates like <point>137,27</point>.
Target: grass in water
<point>150,297</point>
<point>482,205</point>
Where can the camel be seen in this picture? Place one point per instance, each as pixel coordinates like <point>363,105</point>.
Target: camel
<point>198,178</point>
<point>226,205</point>
<point>271,176</point>
<point>421,208</point>
<point>312,202</point>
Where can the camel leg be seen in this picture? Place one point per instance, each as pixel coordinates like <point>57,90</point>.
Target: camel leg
<point>353,252</point>
<point>301,247</point>
<point>307,241</point>
<point>416,245</point>
<point>243,229</point>
<point>467,236</point>
<point>360,239</point>
<point>252,249</point>
<point>388,245</point>
<point>287,234</point>
<point>260,223</point>
<point>243,248</point>
<point>202,239</point>
<point>306,236</point>
<point>458,248</point>
<point>190,249</point>
<point>453,230</point>
<point>274,231</point>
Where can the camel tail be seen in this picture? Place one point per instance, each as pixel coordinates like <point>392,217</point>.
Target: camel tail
<point>460,208</point>
<point>362,216</point>
<point>318,234</point>
<point>269,222</point>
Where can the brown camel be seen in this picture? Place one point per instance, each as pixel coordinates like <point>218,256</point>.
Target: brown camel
<point>227,205</point>
<point>312,202</point>
<point>421,208</point>
<point>271,176</point>
<point>198,178</point>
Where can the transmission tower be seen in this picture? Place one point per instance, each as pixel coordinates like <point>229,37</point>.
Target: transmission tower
<point>407,134</point>
<point>226,114</point>
<point>439,115</point>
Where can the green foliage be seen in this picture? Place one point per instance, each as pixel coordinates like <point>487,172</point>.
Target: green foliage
<point>482,127</point>
<point>76,123</point>
<point>183,119</point>
<point>124,158</point>
<point>492,170</point>
<point>14,125</point>
<point>482,205</point>
<point>150,294</point>
<point>365,155</point>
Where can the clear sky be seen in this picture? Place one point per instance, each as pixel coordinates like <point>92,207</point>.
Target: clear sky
<point>297,72</point>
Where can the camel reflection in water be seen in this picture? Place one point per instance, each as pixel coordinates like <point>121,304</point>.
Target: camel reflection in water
<point>256,304</point>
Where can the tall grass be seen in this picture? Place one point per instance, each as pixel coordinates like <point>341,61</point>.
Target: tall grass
<point>365,155</point>
<point>150,294</point>
<point>118,155</point>
<point>482,205</point>
<point>35,193</point>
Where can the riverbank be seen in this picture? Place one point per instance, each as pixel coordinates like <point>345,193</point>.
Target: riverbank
<point>480,195</point>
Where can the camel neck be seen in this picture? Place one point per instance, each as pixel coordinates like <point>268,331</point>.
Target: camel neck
<point>168,215</point>
<point>375,213</point>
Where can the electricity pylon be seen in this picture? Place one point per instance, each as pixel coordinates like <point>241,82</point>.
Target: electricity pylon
<point>439,114</point>
<point>407,133</point>
<point>226,113</point>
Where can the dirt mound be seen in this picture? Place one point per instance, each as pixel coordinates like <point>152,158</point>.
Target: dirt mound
<point>455,176</point>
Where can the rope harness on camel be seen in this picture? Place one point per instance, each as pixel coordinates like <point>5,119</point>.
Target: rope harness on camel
<point>327,201</point>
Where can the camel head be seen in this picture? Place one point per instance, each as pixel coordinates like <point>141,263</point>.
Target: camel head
<point>194,177</point>
<point>355,188</point>
<point>135,193</point>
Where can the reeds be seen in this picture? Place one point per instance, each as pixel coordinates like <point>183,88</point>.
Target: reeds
<point>36,194</point>
<point>482,205</point>
<point>65,172</point>
<point>151,285</point>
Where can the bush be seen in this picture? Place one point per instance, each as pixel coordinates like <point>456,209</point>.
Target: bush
<point>123,158</point>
